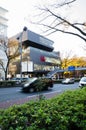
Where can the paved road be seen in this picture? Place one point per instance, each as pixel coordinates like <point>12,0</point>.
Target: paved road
<point>10,96</point>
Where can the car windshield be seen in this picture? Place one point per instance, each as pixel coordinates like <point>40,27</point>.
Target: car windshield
<point>83,79</point>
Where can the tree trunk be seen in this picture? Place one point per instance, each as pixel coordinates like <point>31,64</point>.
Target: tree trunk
<point>6,71</point>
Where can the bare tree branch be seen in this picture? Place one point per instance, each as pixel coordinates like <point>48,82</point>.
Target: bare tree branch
<point>2,65</point>
<point>59,23</point>
<point>65,21</point>
<point>53,30</point>
<point>63,3</point>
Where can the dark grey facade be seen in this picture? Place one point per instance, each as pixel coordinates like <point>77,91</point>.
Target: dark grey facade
<point>35,40</point>
<point>41,57</point>
<point>38,55</point>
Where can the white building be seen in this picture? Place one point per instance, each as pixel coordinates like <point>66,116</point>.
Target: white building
<point>3,38</point>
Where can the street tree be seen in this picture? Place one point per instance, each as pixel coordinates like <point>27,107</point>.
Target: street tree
<point>68,60</point>
<point>54,19</point>
<point>6,48</point>
<point>73,61</point>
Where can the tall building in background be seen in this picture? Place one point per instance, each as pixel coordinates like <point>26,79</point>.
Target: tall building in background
<point>3,38</point>
<point>3,22</point>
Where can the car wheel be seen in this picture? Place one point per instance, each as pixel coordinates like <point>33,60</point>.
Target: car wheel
<point>31,90</point>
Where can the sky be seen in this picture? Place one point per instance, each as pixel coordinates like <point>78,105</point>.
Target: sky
<point>20,12</point>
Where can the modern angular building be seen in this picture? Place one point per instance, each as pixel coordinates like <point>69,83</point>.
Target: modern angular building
<point>35,55</point>
<point>3,38</point>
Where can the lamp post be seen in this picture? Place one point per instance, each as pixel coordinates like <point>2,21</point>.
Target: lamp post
<point>20,50</point>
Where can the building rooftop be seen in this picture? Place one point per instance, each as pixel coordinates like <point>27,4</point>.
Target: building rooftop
<point>30,38</point>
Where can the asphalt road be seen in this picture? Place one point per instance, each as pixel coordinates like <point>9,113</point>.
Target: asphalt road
<point>15,93</point>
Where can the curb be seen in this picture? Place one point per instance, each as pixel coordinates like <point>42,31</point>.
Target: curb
<point>24,100</point>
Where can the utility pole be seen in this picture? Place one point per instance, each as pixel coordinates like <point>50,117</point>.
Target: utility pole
<point>20,50</point>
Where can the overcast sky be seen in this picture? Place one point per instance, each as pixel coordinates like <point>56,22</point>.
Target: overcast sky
<point>19,15</point>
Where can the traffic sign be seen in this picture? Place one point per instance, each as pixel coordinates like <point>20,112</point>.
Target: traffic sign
<point>71,68</point>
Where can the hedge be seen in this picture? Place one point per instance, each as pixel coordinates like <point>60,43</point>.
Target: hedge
<point>66,111</point>
<point>7,83</point>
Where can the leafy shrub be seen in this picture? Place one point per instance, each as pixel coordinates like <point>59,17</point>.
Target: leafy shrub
<point>63,112</point>
<point>43,83</point>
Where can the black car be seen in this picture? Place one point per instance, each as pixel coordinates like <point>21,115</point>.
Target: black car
<point>37,84</point>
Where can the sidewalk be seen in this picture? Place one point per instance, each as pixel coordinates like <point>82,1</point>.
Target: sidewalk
<point>23,100</point>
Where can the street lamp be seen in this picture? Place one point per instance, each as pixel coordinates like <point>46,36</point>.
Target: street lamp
<point>20,50</point>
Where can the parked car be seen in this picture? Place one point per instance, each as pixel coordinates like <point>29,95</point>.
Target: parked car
<point>19,80</point>
<point>37,84</point>
<point>82,82</point>
<point>68,81</point>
